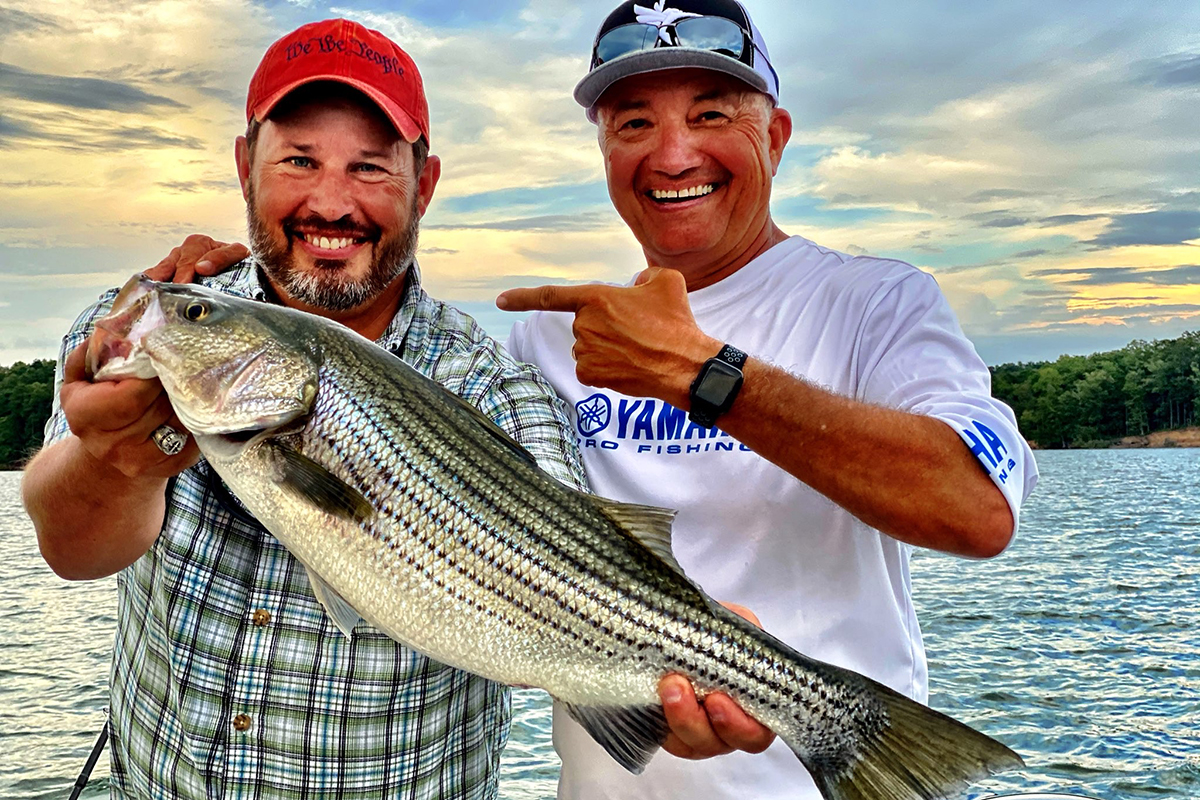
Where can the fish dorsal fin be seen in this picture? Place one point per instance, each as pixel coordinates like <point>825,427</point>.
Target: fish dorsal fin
<point>489,425</point>
<point>650,525</point>
<point>311,481</point>
<point>344,616</point>
<point>631,735</point>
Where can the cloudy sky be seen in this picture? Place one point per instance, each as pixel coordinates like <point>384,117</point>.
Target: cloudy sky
<point>1040,159</point>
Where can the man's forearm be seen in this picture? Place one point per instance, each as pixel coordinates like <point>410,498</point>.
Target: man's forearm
<point>907,475</point>
<point>91,520</point>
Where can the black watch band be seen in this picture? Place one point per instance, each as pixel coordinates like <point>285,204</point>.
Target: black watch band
<point>716,386</point>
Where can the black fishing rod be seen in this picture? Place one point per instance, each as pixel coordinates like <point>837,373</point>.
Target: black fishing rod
<point>82,780</point>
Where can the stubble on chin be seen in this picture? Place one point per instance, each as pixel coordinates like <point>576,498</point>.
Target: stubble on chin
<point>327,286</point>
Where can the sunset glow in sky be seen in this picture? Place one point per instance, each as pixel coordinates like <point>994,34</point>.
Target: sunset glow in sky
<point>1041,160</point>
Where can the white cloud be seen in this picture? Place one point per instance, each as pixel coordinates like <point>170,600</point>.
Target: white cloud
<point>958,126</point>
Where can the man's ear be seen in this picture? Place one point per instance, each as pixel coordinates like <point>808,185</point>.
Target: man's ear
<point>780,131</point>
<point>427,182</point>
<point>241,153</point>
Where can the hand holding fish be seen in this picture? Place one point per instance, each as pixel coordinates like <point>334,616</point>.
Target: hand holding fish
<point>640,340</point>
<point>116,421</point>
<point>712,728</point>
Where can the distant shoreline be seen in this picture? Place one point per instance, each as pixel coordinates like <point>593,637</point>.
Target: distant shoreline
<point>1182,437</point>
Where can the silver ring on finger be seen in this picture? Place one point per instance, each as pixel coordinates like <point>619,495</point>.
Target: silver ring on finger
<point>169,440</point>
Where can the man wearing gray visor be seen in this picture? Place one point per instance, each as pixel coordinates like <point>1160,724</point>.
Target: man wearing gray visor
<point>836,415</point>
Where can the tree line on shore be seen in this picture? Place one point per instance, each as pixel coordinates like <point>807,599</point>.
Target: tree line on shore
<point>1090,401</point>
<point>1076,401</point>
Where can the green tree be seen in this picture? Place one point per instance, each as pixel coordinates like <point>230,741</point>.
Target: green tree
<point>1141,388</point>
<point>25,399</point>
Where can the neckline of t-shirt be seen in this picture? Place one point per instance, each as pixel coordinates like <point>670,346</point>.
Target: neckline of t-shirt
<point>747,279</point>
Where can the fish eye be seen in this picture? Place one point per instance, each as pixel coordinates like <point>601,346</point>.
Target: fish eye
<point>195,312</point>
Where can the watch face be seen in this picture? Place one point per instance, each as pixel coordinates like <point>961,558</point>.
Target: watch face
<point>717,383</point>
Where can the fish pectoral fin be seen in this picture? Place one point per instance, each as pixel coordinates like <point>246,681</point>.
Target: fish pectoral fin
<point>344,615</point>
<point>650,525</point>
<point>630,734</point>
<point>311,481</point>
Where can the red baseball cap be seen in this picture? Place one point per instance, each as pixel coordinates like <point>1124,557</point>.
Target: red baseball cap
<point>343,51</point>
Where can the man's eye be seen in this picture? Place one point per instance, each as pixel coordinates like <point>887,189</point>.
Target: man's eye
<point>635,124</point>
<point>711,116</point>
<point>298,161</point>
<point>370,168</point>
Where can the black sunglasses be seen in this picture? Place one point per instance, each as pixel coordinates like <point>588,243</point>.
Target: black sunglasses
<point>716,34</point>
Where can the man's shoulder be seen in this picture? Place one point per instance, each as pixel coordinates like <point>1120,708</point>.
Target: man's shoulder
<point>463,350</point>
<point>453,330</point>
<point>866,274</point>
<point>241,279</point>
<point>867,266</point>
<point>549,327</point>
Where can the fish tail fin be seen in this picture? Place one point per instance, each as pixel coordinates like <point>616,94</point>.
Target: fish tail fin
<point>916,753</point>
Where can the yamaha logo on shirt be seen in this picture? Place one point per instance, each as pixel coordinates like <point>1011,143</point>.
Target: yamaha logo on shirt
<point>593,415</point>
<point>990,450</point>
<point>645,426</point>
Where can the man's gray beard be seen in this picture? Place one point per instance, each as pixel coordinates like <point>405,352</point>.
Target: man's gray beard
<point>327,287</point>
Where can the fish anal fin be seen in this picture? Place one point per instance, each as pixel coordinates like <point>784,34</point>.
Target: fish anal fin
<point>344,615</point>
<point>301,475</point>
<point>631,734</point>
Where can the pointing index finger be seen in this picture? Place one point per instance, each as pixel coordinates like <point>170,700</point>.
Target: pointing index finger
<point>548,298</point>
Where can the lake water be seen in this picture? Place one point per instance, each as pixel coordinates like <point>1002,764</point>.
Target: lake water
<point>1079,647</point>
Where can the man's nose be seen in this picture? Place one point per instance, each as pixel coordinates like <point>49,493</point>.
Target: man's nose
<point>332,195</point>
<point>676,150</point>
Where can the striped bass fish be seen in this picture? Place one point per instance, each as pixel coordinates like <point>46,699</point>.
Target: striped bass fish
<point>414,512</point>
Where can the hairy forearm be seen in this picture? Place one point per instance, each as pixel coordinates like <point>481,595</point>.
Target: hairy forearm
<point>91,520</point>
<point>907,475</point>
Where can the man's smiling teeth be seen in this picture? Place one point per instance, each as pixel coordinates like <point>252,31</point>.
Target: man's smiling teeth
<point>677,194</point>
<point>327,243</point>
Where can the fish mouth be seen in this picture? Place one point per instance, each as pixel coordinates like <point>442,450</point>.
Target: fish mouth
<point>114,348</point>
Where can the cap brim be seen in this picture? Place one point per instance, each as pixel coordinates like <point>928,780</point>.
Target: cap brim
<point>589,90</point>
<point>405,125</point>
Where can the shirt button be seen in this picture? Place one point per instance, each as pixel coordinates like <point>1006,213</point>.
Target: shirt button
<point>241,723</point>
<point>262,617</point>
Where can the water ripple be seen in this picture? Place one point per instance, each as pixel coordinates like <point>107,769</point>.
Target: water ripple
<point>1077,647</point>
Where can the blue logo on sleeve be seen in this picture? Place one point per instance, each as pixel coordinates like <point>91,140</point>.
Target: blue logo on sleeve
<point>990,450</point>
<point>593,414</point>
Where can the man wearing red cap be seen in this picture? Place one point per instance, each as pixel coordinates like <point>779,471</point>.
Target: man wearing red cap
<point>228,678</point>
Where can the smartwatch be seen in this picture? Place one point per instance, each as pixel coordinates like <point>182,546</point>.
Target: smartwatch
<point>716,387</point>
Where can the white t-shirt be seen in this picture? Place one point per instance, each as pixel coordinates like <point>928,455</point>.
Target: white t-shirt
<point>837,590</point>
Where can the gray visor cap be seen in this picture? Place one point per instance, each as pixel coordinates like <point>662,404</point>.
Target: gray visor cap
<point>598,81</point>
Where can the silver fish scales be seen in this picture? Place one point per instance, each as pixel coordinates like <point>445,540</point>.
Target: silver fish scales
<point>411,510</point>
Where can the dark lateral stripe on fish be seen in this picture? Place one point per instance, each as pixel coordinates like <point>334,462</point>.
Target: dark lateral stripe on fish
<point>767,674</point>
<point>763,659</point>
<point>529,579</point>
<point>431,479</point>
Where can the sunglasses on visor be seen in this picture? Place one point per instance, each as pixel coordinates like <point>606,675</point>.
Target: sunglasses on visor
<point>716,34</point>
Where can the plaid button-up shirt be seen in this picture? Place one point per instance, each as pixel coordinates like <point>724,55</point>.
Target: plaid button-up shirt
<point>228,678</point>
